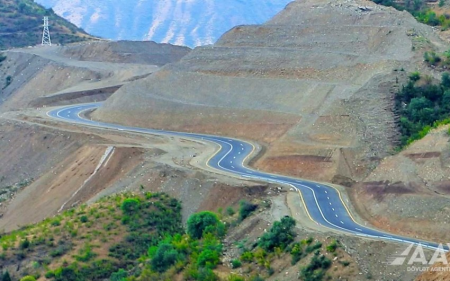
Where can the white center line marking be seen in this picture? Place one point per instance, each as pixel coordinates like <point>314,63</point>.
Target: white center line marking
<point>332,208</point>
<point>358,229</point>
<point>326,191</point>
<point>342,222</point>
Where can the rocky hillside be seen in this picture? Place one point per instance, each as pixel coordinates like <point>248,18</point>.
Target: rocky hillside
<point>189,23</point>
<point>21,25</point>
<point>315,85</point>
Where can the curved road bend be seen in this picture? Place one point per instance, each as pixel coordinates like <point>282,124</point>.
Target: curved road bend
<point>324,204</point>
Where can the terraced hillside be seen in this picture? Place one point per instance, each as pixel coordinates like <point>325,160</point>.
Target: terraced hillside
<point>315,84</point>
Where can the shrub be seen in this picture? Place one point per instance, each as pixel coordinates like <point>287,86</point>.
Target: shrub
<point>204,222</point>
<point>130,205</point>
<point>6,276</point>
<point>280,235</point>
<point>206,274</point>
<point>208,258</point>
<point>245,209</point>
<point>234,277</point>
<point>230,211</point>
<point>313,247</point>
<point>165,256</point>
<point>86,254</point>
<point>236,263</point>
<point>247,256</point>
<point>431,58</point>
<point>25,244</point>
<point>316,269</point>
<point>415,76</point>
<point>297,253</point>
<point>83,219</point>
<point>120,275</point>
<point>332,247</point>
<point>28,278</point>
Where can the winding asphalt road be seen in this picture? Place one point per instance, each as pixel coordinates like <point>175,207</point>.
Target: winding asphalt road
<point>324,204</point>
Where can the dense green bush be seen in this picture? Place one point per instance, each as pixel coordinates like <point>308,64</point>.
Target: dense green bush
<point>230,211</point>
<point>316,269</point>
<point>204,222</point>
<point>245,209</point>
<point>6,276</point>
<point>422,107</point>
<point>297,253</point>
<point>130,205</point>
<point>236,263</point>
<point>166,256</point>
<point>280,235</point>
<point>120,275</point>
<point>28,278</point>
<point>332,247</point>
<point>312,247</point>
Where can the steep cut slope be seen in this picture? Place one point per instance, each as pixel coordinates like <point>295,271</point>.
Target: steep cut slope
<point>409,192</point>
<point>94,68</point>
<point>21,25</point>
<point>189,23</point>
<point>313,84</point>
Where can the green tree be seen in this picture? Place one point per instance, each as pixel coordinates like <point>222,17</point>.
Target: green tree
<point>445,81</point>
<point>6,276</point>
<point>415,76</point>
<point>245,209</point>
<point>280,235</point>
<point>208,258</point>
<point>166,256</point>
<point>204,222</point>
<point>120,275</point>
<point>130,205</point>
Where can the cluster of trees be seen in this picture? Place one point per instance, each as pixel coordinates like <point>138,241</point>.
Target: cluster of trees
<point>420,10</point>
<point>422,106</point>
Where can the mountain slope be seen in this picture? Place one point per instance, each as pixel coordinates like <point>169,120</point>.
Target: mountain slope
<point>179,22</point>
<point>21,25</point>
<point>315,86</point>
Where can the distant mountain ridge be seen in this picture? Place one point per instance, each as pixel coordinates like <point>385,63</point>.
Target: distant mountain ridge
<point>181,22</point>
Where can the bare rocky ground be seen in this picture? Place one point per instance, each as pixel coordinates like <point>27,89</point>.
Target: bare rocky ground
<point>315,86</point>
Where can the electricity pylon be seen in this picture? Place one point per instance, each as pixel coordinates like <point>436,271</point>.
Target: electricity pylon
<point>46,34</point>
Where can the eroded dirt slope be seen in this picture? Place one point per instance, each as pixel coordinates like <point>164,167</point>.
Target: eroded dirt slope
<point>92,70</point>
<point>409,192</point>
<point>314,85</point>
